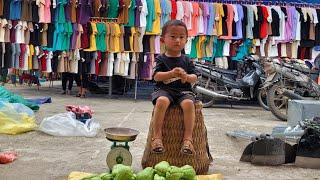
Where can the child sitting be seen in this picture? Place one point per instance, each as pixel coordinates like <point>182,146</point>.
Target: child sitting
<point>174,73</point>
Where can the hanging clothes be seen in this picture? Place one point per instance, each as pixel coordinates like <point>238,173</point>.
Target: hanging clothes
<point>228,20</point>
<point>85,10</point>
<point>92,30</point>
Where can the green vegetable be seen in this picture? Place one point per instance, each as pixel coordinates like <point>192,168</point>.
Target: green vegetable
<point>174,173</point>
<point>175,176</point>
<point>146,174</point>
<point>96,178</point>
<point>157,177</point>
<point>122,172</point>
<point>106,176</point>
<point>91,177</point>
<point>188,172</point>
<point>162,168</point>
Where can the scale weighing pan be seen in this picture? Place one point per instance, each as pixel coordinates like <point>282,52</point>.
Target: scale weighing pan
<point>121,134</point>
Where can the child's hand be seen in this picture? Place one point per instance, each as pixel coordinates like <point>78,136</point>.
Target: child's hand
<point>177,72</point>
<point>184,77</point>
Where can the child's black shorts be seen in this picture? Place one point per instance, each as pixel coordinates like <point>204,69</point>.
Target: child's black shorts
<point>175,97</point>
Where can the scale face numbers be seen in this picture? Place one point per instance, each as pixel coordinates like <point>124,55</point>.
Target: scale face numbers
<point>119,155</point>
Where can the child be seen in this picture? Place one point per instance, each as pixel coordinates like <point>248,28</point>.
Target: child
<point>174,73</point>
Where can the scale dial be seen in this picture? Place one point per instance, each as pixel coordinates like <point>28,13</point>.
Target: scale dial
<point>119,155</point>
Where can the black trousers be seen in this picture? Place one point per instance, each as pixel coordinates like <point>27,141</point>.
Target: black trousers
<point>82,80</point>
<point>67,77</point>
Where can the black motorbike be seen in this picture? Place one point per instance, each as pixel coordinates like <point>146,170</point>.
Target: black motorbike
<point>215,83</point>
<point>288,81</point>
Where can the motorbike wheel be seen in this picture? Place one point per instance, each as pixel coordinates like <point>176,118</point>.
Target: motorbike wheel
<point>278,103</point>
<point>262,99</point>
<point>207,101</point>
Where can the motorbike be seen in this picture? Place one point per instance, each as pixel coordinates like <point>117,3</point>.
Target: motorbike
<point>288,80</point>
<point>215,83</point>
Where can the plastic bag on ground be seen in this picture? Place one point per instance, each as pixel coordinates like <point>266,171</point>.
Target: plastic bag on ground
<point>66,124</point>
<point>14,98</point>
<point>7,157</point>
<point>16,118</point>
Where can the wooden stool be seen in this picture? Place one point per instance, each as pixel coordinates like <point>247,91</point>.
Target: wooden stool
<point>173,129</point>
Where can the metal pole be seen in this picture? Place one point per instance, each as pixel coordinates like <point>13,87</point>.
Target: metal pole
<point>135,89</point>
<point>136,78</point>
<point>110,85</point>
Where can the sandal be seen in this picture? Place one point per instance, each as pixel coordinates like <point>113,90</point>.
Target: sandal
<point>83,96</point>
<point>187,147</point>
<point>78,95</point>
<point>157,146</point>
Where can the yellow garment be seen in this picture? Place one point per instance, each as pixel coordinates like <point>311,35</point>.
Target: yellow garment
<point>219,15</point>
<point>111,37</point>
<point>209,177</point>
<point>78,43</point>
<point>31,53</point>
<point>80,175</point>
<point>117,33</point>
<point>93,43</point>
<point>214,21</point>
<point>133,31</point>
<point>209,47</point>
<point>76,175</point>
<point>156,30</point>
<point>200,46</point>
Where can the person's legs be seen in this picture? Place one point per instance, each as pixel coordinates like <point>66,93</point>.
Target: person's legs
<point>64,79</point>
<point>85,82</point>
<point>160,109</point>
<point>188,108</point>
<point>161,99</point>
<point>70,79</point>
<point>77,78</point>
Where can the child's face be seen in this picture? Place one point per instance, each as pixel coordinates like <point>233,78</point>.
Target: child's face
<point>175,38</point>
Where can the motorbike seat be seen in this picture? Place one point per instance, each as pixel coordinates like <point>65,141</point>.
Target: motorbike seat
<point>305,70</point>
<point>226,71</point>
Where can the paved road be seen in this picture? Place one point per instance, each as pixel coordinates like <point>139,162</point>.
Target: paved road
<point>46,157</point>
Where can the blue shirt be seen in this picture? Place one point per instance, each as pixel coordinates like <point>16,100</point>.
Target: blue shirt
<point>243,51</point>
<point>15,9</point>
<point>211,19</point>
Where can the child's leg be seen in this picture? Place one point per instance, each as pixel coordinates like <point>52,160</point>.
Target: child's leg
<point>160,109</point>
<point>161,106</point>
<point>188,108</point>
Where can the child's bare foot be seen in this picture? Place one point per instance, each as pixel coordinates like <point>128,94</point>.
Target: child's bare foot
<point>187,147</point>
<point>157,146</point>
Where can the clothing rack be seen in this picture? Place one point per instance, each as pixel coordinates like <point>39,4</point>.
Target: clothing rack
<point>296,3</point>
<point>104,19</point>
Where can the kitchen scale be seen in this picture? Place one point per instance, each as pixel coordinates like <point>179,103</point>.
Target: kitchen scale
<point>119,153</point>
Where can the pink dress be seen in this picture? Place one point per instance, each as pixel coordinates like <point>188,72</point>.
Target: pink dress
<point>41,5</point>
<point>47,13</point>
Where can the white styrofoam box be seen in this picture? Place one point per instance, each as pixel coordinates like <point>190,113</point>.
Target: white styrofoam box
<point>299,110</point>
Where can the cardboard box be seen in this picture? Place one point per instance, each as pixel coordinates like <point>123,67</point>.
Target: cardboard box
<point>302,109</point>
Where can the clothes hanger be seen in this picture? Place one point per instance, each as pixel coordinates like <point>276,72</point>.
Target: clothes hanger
<point>259,3</point>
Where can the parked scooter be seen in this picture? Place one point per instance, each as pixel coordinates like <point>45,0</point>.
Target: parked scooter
<point>288,80</point>
<point>216,83</point>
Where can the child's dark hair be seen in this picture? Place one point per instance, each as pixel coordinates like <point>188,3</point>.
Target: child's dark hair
<point>173,23</point>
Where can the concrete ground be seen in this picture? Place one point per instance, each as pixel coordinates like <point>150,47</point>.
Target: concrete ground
<point>41,156</point>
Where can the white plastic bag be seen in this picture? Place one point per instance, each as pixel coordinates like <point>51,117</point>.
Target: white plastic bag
<point>66,124</point>
<point>21,108</point>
